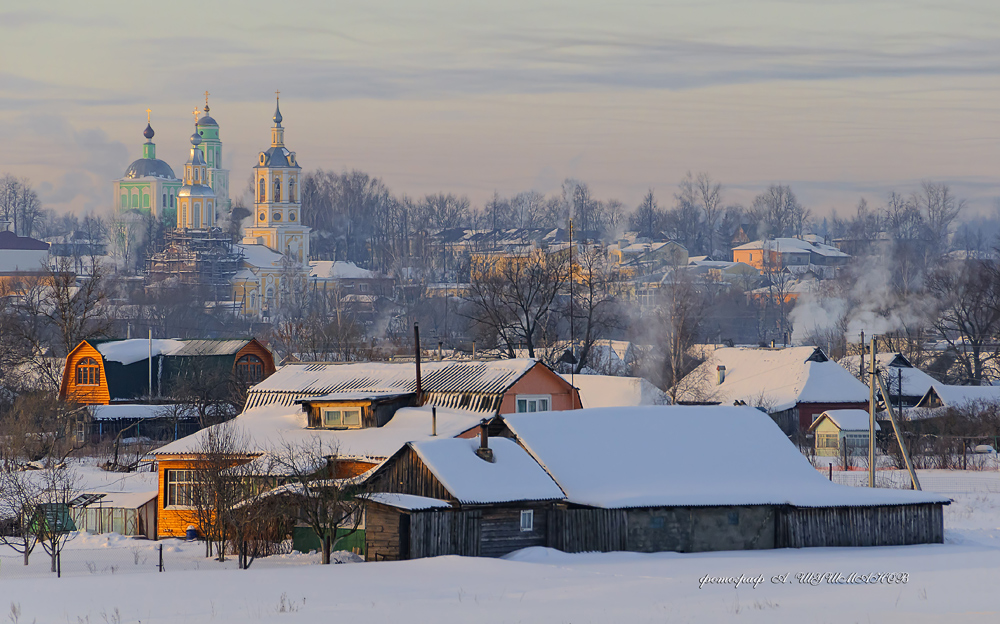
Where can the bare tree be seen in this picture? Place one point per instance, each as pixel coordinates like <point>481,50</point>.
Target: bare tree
<point>598,285</point>
<point>710,195</point>
<point>75,307</point>
<point>678,319</point>
<point>333,508</point>
<point>18,495</point>
<point>50,519</point>
<point>514,295</point>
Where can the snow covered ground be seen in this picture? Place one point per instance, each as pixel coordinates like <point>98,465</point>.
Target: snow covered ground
<point>955,581</point>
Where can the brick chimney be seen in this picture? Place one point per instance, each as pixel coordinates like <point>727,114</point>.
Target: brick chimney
<point>484,451</point>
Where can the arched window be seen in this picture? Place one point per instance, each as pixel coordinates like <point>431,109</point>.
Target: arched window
<point>250,369</point>
<point>196,215</point>
<point>291,190</point>
<point>164,204</point>
<point>262,192</point>
<point>88,372</point>
<point>277,189</point>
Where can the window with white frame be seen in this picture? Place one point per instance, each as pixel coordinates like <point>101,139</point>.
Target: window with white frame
<point>534,403</point>
<point>527,520</point>
<point>179,488</point>
<point>350,418</point>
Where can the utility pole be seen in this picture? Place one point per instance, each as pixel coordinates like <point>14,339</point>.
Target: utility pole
<point>871,414</point>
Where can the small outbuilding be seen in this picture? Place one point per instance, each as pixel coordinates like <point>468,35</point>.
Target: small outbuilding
<point>837,431</point>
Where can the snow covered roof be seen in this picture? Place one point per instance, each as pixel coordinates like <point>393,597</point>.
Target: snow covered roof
<point>915,381</point>
<point>273,426</point>
<point>611,391</point>
<point>124,500</point>
<point>301,380</point>
<point>955,396</point>
<point>336,269</point>
<point>777,379</point>
<point>260,256</point>
<point>794,245</point>
<point>512,476</point>
<point>407,501</point>
<point>684,456</point>
<point>847,420</point>
<point>134,350</point>
<point>117,411</point>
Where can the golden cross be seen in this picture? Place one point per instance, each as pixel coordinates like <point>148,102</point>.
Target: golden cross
<point>277,95</point>
<point>148,111</point>
<point>206,97</point>
<point>195,113</point>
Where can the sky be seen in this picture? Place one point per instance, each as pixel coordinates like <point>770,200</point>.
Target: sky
<point>837,99</point>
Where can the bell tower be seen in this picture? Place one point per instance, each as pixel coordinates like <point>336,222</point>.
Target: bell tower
<point>277,217</point>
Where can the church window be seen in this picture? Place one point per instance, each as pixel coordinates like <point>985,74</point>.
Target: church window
<point>145,200</point>
<point>88,372</point>
<point>269,293</point>
<point>291,190</point>
<point>263,216</point>
<point>250,369</point>
<point>291,216</point>
<point>276,216</point>
<point>124,203</point>
<point>262,192</point>
<point>253,301</point>
<point>196,213</point>
<point>277,189</point>
<point>135,200</point>
<point>164,203</point>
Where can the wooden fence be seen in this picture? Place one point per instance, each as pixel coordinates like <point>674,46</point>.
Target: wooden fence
<point>585,530</point>
<point>434,533</point>
<point>859,526</point>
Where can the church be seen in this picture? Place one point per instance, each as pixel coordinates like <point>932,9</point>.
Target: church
<point>195,251</point>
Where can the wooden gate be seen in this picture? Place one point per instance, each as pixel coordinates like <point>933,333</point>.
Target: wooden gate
<point>434,533</point>
<point>585,530</point>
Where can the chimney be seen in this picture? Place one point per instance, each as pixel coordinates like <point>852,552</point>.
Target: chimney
<point>722,373</point>
<point>440,350</point>
<point>484,451</point>
<point>473,349</point>
<point>416,351</point>
<point>434,420</point>
<point>772,344</point>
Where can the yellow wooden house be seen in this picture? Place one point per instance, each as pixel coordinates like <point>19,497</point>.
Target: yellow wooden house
<point>837,430</point>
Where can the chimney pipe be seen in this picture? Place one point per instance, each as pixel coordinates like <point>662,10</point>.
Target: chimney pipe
<point>722,373</point>
<point>434,420</point>
<point>416,351</point>
<point>473,349</point>
<point>484,451</point>
<point>772,344</point>
<point>440,350</point>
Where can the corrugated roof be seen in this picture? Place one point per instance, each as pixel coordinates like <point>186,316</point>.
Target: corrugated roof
<point>475,386</point>
<point>211,347</point>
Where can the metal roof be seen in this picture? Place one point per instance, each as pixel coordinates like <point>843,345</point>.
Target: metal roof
<point>211,347</point>
<point>476,386</point>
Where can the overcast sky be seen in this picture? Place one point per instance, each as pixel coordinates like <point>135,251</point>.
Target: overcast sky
<point>837,99</point>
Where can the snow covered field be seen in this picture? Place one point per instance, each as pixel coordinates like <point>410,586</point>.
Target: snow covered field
<point>955,581</point>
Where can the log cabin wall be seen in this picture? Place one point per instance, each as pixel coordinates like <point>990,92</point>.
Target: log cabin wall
<point>385,533</point>
<point>500,529</point>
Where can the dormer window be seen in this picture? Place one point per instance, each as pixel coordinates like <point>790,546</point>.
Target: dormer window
<point>262,158</point>
<point>88,372</point>
<point>342,418</point>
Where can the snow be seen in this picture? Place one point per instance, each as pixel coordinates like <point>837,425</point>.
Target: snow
<point>611,391</point>
<point>260,256</point>
<point>124,500</point>
<point>955,396</point>
<point>775,378</point>
<point>915,381</point>
<point>128,410</point>
<point>794,245</point>
<point>512,476</point>
<point>337,270</point>
<point>950,582</point>
<point>271,426</point>
<point>137,349</point>
<point>850,419</point>
<point>407,501</point>
<point>683,456</point>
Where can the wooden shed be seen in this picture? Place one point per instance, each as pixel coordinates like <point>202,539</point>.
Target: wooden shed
<point>455,497</point>
<point>840,431</point>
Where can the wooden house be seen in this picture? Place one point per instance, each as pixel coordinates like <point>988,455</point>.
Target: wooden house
<point>793,384</point>
<point>486,387</point>
<point>358,449</point>
<point>756,491</point>
<point>458,497</point>
<point>838,431</point>
<point>103,372</point>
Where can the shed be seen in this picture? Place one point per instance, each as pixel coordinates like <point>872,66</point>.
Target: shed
<point>135,420</point>
<point>700,478</point>
<point>837,431</point>
<point>448,496</point>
